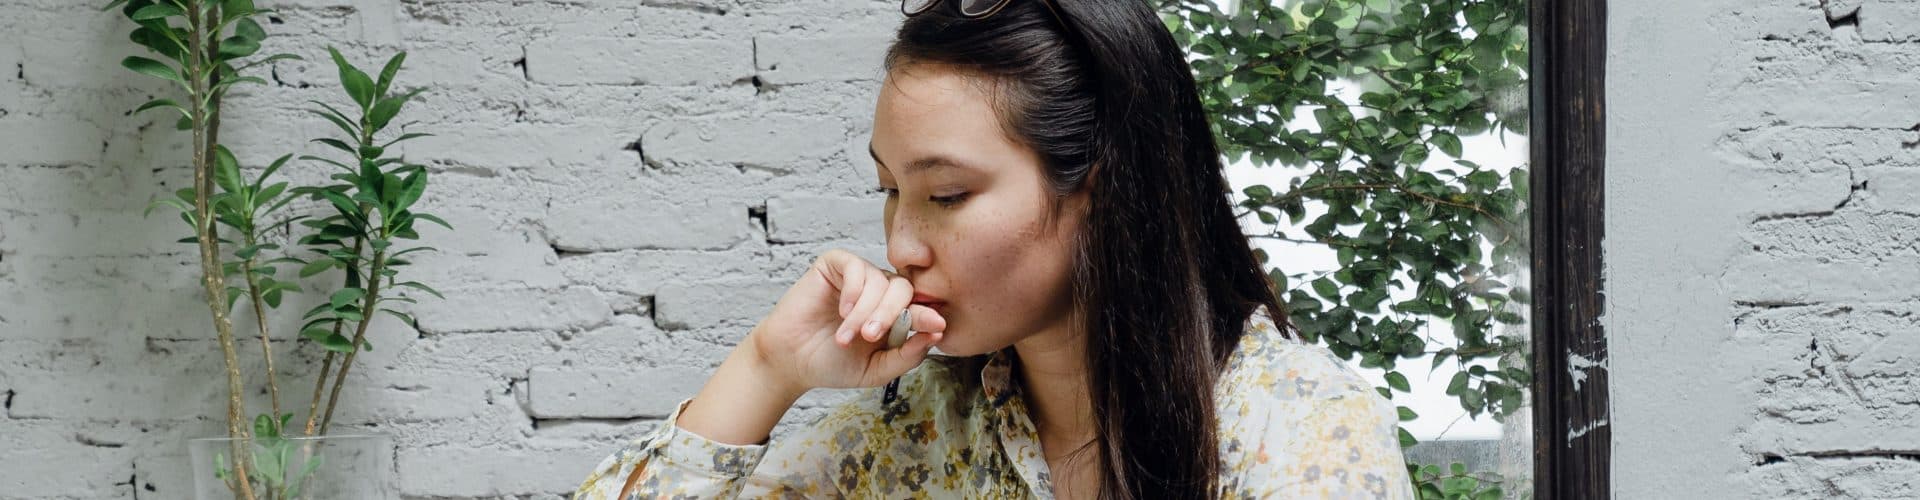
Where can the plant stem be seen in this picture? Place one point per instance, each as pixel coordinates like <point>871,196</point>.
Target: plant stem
<point>359,335</point>
<point>213,277</point>
<point>266,345</point>
<point>326,363</point>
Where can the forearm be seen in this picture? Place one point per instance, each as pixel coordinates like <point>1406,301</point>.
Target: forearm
<point>741,402</point>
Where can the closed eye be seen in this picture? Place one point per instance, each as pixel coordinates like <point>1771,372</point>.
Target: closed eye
<point>944,201</point>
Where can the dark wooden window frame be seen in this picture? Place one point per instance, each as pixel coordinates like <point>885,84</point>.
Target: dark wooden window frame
<point>1572,430</point>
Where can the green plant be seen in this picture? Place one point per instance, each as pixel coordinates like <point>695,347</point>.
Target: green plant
<point>200,60</point>
<point>373,210</point>
<point>373,207</point>
<point>1429,72</point>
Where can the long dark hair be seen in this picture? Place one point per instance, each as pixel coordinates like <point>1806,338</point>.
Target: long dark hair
<point>1164,279</point>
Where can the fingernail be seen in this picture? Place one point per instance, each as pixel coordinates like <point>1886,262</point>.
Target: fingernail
<point>840,336</point>
<point>871,327</point>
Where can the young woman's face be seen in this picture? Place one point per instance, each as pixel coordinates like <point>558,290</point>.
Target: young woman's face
<point>966,212</point>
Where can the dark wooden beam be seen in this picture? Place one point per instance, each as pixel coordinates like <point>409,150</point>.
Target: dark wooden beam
<point>1572,431</point>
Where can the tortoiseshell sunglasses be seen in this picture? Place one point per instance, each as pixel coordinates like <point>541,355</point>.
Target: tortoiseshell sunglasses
<point>974,9</point>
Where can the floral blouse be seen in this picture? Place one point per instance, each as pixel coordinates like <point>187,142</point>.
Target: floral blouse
<point>1294,422</point>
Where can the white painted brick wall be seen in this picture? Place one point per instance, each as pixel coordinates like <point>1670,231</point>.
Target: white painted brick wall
<point>1763,267</point>
<point>634,184</point>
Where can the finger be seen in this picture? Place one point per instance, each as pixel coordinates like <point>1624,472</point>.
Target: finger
<point>899,294</point>
<point>873,287</point>
<point>926,319</point>
<point>850,290</point>
<point>895,362</point>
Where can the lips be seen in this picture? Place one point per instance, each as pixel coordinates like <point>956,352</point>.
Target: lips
<point>928,300</point>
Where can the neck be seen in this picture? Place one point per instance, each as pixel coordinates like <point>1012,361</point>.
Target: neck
<point>1052,367</point>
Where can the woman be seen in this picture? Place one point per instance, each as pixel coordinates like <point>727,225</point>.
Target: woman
<point>1055,205</point>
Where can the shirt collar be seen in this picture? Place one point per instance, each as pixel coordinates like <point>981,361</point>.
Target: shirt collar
<point>996,377</point>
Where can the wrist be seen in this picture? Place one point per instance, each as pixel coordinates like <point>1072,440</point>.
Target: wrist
<point>778,386</point>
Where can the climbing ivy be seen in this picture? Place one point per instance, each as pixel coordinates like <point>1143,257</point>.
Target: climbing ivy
<point>1445,235</point>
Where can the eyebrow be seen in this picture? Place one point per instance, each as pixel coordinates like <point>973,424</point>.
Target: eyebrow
<point>934,162</point>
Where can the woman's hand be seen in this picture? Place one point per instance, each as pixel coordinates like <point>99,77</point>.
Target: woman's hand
<point>830,329</point>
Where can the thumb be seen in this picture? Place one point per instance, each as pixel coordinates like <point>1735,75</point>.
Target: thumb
<point>895,362</point>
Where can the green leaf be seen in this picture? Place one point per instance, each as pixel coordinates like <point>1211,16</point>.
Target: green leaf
<point>346,297</point>
<point>387,73</point>
<point>358,85</point>
<point>410,190</point>
<point>153,68</point>
<point>339,119</point>
<point>383,112</point>
<point>335,143</point>
<point>422,287</point>
<point>403,317</point>
<point>156,11</point>
<point>435,220</point>
<point>318,266</point>
<point>340,202</point>
<point>1447,143</point>
<point>1521,189</point>
<point>237,47</point>
<point>1398,382</point>
<point>1458,384</point>
<point>248,29</point>
<point>405,137</point>
<point>1326,288</point>
<point>337,343</point>
<point>227,170</point>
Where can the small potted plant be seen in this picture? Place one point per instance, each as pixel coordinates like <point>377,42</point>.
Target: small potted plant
<point>206,46</point>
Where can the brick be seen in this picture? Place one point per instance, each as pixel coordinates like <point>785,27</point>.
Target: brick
<point>813,218</point>
<point>1781,60</point>
<point>628,61</point>
<point>58,141</point>
<point>1853,234</point>
<point>775,142</point>
<point>482,252</point>
<point>61,465</point>
<point>524,146</point>
<point>1836,477</point>
<point>625,223</point>
<point>613,392</point>
<point>641,272</point>
<point>785,59</point>
<point>1889,21</point>
<point>454,471</point>
<point>415,394</point>
<point>1759,278</point>
<point>570,308</point>
<point>1797,20</point>
<point>1827,363</point>
<point>1890,189</point>
<point>1828,103</point>
<point>736,303</point>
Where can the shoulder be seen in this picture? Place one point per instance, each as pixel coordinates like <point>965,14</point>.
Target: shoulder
<point>1305,424</point>
<point>1273,366</point>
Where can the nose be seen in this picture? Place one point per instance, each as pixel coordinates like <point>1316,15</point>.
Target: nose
<point>907,250</point>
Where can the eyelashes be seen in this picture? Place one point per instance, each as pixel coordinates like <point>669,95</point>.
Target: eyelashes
<point>944,201</point>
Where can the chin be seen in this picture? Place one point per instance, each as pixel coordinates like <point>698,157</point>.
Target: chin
<point>948,347</point>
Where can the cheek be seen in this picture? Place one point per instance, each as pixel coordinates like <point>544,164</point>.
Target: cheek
<point>1011,272</point>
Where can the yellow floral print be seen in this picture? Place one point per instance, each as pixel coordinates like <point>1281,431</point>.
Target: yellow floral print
<point>1294,422</point>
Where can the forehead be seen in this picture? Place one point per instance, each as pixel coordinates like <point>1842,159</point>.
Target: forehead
<point>931,117</point>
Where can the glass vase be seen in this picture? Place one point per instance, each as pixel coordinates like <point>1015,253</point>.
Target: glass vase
<point>333,467</point>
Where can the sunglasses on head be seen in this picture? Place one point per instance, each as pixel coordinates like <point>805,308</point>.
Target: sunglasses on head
<point>972,9</point>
